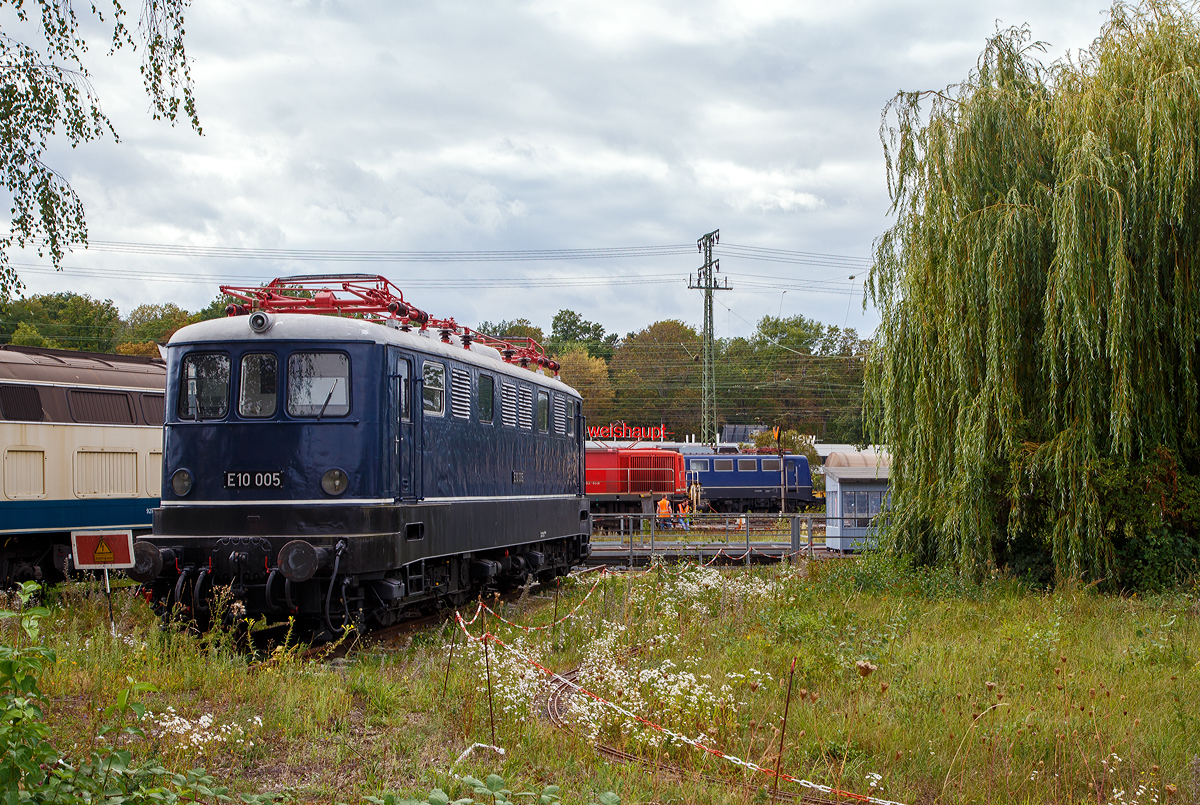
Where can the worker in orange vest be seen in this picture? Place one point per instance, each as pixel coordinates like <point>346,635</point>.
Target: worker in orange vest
<point>684,511</point>
<point>664,512</point>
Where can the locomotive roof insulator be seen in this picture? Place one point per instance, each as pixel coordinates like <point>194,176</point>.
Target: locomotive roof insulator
<point>398,309</point>
<point>235,310</point>
<point>445,334</point>
<point>466,339</point>
<point>524,361</point>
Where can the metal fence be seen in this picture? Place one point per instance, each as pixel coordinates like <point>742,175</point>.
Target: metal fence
<point>704,535</point>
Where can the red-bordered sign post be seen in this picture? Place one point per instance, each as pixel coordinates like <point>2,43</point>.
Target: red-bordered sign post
<point>103,550</point>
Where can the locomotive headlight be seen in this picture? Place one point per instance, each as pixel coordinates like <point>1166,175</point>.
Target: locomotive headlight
<point>181,482</point>
<point>334,481</point>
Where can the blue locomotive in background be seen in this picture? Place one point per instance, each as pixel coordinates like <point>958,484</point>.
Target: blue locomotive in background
<point>739,482</point>
<point>358,471</point>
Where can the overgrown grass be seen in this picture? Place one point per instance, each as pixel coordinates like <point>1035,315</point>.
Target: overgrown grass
<point>973,693</point>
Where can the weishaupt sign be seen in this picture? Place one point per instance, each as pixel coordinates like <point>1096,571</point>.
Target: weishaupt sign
<point>619,430</point>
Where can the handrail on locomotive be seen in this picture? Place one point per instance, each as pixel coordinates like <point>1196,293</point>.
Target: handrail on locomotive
<point>374,298</point>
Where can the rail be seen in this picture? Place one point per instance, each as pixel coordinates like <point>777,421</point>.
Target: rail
<point>643,537</point>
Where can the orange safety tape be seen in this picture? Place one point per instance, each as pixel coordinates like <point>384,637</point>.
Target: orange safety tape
<point>484,638</point>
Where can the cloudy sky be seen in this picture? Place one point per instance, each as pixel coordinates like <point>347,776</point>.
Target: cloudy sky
<point>536,125</point>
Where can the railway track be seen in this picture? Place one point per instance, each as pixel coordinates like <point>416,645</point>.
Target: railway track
<point>265,640</point>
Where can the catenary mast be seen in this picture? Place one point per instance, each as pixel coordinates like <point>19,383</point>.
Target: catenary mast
<point>706,282</point>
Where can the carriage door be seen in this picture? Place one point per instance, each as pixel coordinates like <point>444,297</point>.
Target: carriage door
<point>404,457</point>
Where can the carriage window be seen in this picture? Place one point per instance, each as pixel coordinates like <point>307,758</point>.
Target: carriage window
<point>770,465</point>
<point>748,465</point>
<point>204,386</point>
<point>487,393</point>
<point>257,396</point>
<point>21,403</point>
<point>543,412</point>
<point>318,384</point>
<point>698,464</point>
<point>723,464</point>
<point>435,388</point>
<point>571,409</point>
<point>152,408</point>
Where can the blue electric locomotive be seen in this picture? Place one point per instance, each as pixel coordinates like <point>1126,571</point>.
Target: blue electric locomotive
<point>739,482</point>
<point>359,471</point>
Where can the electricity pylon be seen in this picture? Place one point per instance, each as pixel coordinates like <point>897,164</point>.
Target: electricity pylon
<point>705,281</point>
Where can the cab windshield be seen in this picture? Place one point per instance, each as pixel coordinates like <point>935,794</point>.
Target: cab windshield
<point>204,386</point>
<point>318,384</point>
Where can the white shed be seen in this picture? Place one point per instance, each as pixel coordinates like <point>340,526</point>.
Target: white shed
<point>856,491</point>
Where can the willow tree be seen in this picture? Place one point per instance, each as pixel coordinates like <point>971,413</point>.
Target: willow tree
<point>1040,297</point>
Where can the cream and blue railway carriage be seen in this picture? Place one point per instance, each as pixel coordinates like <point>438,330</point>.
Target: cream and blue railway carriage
<point>81,435</point>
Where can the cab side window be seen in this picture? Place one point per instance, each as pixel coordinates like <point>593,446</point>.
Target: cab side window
<point>487,395</point>
<point>434,394</point>
<point>204,386</point>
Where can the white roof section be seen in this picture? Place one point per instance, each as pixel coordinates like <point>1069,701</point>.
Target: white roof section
<point>858,473</point>
<point>858,465</point>
<point>310,327</point>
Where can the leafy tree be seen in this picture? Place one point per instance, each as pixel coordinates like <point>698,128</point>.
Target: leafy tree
<point>589,376</point>
<point>27,335</point>
<point>47,91</point>
<point>794,372</point>
<point>569,329</point>
<point>155,323</point>
<point>75,321</point>
<point>657,379</point>
<point>1040,299</point>
<point>517,328</point>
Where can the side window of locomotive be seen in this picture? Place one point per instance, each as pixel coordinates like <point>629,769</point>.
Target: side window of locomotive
<point>21,403</point>
<point>572,408</point>
<point>698,464</point>
<point>748,465</point>
<point>153,408</point>
<point>543,412</point>
<point>770,465</point>
<point>204,386</point>
<point>435,388</point>
<point>259,385</point>
<point>318,384</point>
<point>722,465</point>
<point>487,394</point>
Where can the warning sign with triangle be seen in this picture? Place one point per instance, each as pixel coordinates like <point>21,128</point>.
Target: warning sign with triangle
<point>104,554</point>
<point>102,550</point>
